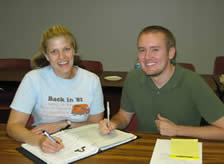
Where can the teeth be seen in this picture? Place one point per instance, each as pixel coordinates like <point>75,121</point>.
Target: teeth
<point>150,64</point>
<point>63,63</point>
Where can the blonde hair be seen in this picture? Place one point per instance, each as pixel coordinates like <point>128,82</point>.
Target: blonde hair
<point>39,60</point>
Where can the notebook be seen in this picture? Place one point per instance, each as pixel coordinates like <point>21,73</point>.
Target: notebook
<point>80,143</point>
<point>162,154</point>
<point>184,149</point>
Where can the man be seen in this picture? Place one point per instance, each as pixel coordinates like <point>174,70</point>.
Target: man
<point>166,97</point>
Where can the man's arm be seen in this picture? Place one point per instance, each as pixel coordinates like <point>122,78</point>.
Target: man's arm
<point>215,131</point>
<point>119,121</point>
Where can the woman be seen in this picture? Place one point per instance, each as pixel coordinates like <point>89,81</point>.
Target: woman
<point>58,94</point>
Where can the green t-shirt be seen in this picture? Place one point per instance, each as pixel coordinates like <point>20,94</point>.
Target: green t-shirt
<point>184,99</point>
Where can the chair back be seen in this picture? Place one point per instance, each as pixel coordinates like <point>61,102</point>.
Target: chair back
<point>92,66</point>
<point>133,125</point>
<point>8,89</point>
<point>15,63</point>
<point>219,65</point>
<point>187,66</point>
<point>30,122</point>
<point>4,113</point>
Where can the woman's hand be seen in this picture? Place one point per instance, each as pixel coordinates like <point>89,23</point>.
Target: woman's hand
<point>49,146</point>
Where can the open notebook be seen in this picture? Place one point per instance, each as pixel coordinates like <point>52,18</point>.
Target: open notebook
<point>80,143</point>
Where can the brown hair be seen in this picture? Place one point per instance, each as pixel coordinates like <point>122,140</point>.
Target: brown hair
<point>39,59</point>
<point>170,39</point>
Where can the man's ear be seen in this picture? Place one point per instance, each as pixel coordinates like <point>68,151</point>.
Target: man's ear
<point>172,53</point>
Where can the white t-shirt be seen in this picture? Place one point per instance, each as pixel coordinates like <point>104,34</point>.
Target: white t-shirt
<point>50,98</point>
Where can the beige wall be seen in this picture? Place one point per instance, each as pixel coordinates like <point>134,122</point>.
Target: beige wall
<point>106,30</point>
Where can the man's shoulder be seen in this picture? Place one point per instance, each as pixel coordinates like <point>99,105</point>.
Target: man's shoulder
<point>188,77</point>
<point>188,74</point>
<point>135,77</point>
<point>136,73</point>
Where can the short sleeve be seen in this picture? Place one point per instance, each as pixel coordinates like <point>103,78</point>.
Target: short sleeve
<point>209,105</point>
<point>97,105</point>
<point>126,102</point>
<point>25,97</point>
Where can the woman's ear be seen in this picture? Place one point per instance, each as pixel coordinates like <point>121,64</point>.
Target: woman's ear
<point>46,56</point>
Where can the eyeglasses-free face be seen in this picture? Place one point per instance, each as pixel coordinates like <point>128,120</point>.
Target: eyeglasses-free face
<point>60,55</point>
<point>154,56</point>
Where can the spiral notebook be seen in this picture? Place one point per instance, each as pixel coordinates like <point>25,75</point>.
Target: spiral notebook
<point>78,143</point>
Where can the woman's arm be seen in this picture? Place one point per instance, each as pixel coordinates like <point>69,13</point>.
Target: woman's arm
<point>16,129</point>
<point>56,126</point>
<point>91,119</point>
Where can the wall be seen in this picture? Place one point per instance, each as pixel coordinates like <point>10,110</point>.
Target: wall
<point>106,30</point>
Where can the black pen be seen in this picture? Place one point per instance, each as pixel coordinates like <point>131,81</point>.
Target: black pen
<point>49,136</point>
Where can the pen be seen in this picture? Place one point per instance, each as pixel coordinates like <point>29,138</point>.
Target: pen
<point>49,136</point>
<point>108,114</point>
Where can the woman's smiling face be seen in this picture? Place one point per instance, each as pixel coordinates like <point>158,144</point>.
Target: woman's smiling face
<point>60,54</point>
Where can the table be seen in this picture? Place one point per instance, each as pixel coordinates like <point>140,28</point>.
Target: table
<point>107,83</point>
<point>112,90</point>
<point>138,151</point>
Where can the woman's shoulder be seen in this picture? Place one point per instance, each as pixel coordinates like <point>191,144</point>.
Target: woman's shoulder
<point>87,74</point>
<point>37,73</point>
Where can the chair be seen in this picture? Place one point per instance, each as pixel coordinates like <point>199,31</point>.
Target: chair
<point>187,66</point>
<point>4,113</point>
<point>15,63</point>
<point>30,122</point>
<point>219,65</point>
<point>133,125</point>
<point>8,88</point>
<point>92,66</point>
<point>217,71</point>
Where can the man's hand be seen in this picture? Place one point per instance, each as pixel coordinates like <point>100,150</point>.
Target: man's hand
<point>104,129</point>
<point>165,126</point>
